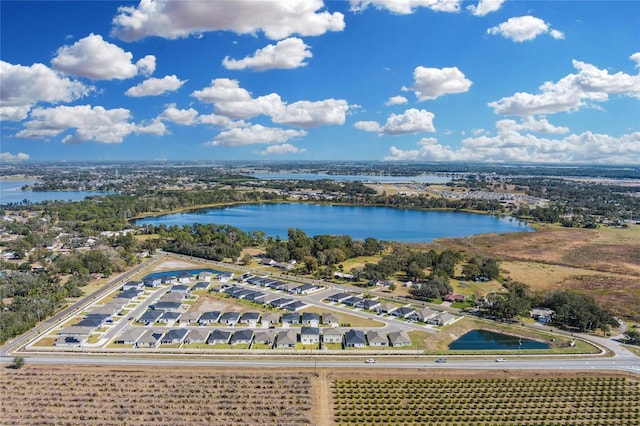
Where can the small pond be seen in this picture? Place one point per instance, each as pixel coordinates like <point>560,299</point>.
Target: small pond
<point>488,340</point>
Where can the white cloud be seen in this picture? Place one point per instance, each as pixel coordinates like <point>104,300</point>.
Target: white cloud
<point>286,54</point>
<point>586,148</point>
<point>21,87</point>
<point>9,157</point>
<point>94,58</point>
<point>147,65</point>
<point>636,58</point>
<point>485,7</point>
<point>156,86</point>
<point>529,124</point>
<point>571,92</point>
<point>177,18</point>
<point>431,83</point>
<point>405,7</point>
<point>255,134</point>
<point>90,124</point>
<point>309,114</point>
<point>285,148</point>
<point>215,119</point>
<point>368,126</point>
<point>396,100</point>
<point>186,117</point>
<point>524,28</point>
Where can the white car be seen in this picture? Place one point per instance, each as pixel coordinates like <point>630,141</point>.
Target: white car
<point>370,361</point>
<point>501,360</point>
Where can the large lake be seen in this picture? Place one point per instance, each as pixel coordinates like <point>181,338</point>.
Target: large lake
<point>11,192</point>
<point>381,223</point>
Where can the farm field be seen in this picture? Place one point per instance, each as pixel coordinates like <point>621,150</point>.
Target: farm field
<point>92,395</point>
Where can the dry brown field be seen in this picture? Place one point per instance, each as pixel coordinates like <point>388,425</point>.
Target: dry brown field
<point>101,395</point>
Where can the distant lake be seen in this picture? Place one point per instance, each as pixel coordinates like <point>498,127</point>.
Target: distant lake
<point>358,178</point>
<point>382,223</point>
<point>11,192</point>
<point>488,340</point>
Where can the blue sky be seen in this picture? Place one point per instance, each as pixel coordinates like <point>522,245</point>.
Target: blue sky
<point>394,80</point>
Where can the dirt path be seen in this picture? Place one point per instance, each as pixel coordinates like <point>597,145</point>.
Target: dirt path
<point>322,411</point>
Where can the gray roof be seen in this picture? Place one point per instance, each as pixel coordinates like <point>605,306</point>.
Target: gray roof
<point>222,335</point>
<point>310,331</point>
<point>175,335</point>
<point>230,316</point>
<point>196,336</point>
<point>399,338</point>
<point>242,335</point>
<point>354,337</point>
<point>287,337</point>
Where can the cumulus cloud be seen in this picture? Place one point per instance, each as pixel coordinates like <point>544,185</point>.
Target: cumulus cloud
<point>255,134</point>
<point>587,148</point>
<point>405,7</point>
<point>636,58</point>
<point>94,58</point>
<point>524,28</point>
<point>286,54</point>
<point>215,120</point>
<point>233,101</point>
<point>177,18</point>
<point>396,100</point>
<point>411,121</point>
<point>570,92</point>
<point>21,87</point>
<point>156,86</point>
<point>529,124</point>
<point>285,148</point>
<point>90,124</point>
<point>431,83</point>
<point>186,117</point>
<point>9,157</point>
<point>485,7</point>
<point>309,114</point>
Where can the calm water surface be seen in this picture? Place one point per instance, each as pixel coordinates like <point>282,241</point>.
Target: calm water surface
<point>358,178</point>
<point>11,192</point>
<point>359,222</point>
<point>488,340</point>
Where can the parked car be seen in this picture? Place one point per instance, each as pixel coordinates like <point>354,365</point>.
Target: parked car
<point>370,361</point>
<point>441,360</point>
<point>501,360</point>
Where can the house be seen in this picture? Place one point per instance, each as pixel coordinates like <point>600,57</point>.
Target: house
<point>130,336</point>
<point>219,337</point>
<point>233,290</point>
<point>210,317</point>
<point>280,302</point>
<point>290,318</point>
<point>169,279</point>
<point>330,319</point>
<point>173,297</point>
<point>354,339</point>
<point>255,296</point>
<point>149,339</point>
<point>76,331</point>
<point>443,319</point>
<point>399,339</point>
<point>310,318</point>
<point>109,309</point>
<point>386,308</point>
<point>242,337</point>
<point>132,285</point>
<point>371,305</point>
<point>225,277</point>
<point>304,289</point>
<point>201,286</point>
<point>542,315</point>
<point>277,285</point>
<point>343,275</point>
<point>423,314</point>
<point>180,288</point>
<point>309,335</point>
<point>270,319</point>
<point>295,306</point>
<point>174,337</point>
<point>94,320</point>
<point>184,277</point>
<point>267,261</point>
<point>242,293</point>
<point>205,275</point>
<point>332,335</point>
<point>259,281</point>
<point>339,297</point>
<point>166,306</point>
<point>151,281</point>
<point>403,312</point>
<point>267,337</point>
<point>250,318</point>
<point>169,317</point>
<point>354,302</point>
<point>230,318</point>
<point>286,339</point>
<point>377,338</point>
<point>150,317</point>
<point>129,294</point>
<point>196,336</point>
<point>189,318</point>
<point>453,298</point>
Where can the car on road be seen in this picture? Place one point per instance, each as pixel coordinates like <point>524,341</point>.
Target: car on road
<point>370,361</point>
<point>501,360</point>
<point>441,360</point>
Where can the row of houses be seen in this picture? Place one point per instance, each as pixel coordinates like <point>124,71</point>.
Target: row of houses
<point>281,286</point>
<point>265,299</point>
<point>425,315</point>
<point>283,339</point>
<point>185,277</point>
